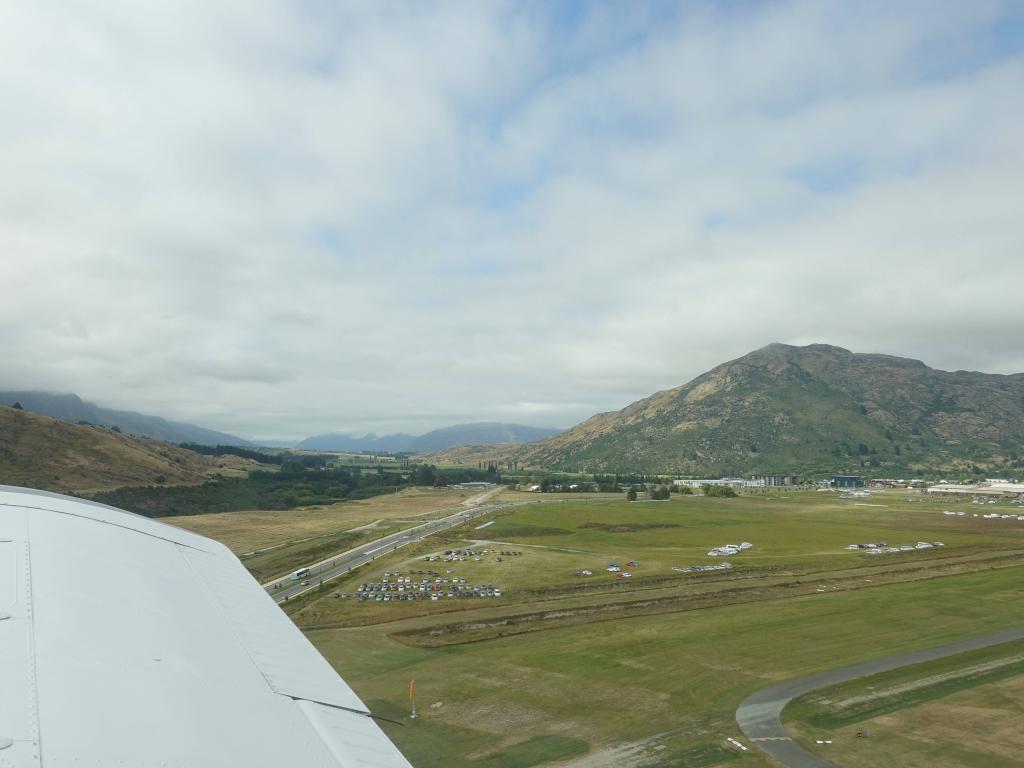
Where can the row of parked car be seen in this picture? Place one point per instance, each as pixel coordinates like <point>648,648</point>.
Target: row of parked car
<point>406,584</point>
<point>479,592</point>
<point>398,592</point>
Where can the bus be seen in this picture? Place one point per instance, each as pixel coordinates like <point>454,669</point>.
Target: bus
<point>300,574</point>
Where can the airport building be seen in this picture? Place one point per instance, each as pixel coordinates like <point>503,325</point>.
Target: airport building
<point>848,481</point>
<point>732,482</point>
<point>992,487</point>
<point>773,481</point>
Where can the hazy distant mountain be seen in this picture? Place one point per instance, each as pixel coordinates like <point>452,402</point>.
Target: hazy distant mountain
<point>396,443</point>
<point>439,439</point>
<point>73,408</point>
<point>479,433</point>
<point>277,443</point>
<point>806,409</point>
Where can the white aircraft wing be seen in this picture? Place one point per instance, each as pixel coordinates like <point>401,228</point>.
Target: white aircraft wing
<point>127,642</point>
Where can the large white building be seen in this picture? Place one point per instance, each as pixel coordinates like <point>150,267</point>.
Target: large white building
<point>991,487</point>
<point>774,481</point>
<point>733,482</point>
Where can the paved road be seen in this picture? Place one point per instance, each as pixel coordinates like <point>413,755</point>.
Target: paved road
<point>758,715</point>
<point>285,588</point>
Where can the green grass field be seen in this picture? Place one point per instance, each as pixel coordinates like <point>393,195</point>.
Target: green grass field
<point>795,536</point>
<point>675,678</point>
<point>648,671</point>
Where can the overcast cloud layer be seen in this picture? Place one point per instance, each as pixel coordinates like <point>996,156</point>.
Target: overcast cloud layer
<point>279,218</point>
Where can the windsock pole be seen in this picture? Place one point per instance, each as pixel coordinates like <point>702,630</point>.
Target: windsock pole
<point>412,697</point>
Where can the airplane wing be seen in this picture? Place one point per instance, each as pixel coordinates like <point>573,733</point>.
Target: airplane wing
<point>128,642</point>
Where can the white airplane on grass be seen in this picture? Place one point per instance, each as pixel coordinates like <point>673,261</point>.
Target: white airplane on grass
<point>128,642</point>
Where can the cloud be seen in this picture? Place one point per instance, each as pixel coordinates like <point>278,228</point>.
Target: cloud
<point>287,219</point>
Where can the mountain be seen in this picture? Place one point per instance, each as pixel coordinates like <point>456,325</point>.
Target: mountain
<point>277,443</point>
<point>73,408</point>
<point>396,443</point>
<point>52,454</point>
<point>478,433</point>
<point>810,410</point>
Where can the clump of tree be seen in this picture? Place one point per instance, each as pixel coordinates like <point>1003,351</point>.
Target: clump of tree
<point>684,490</point>
<point>631,494</point>
<point>17,407</point>
<point>245,453</point>
<point>660,493</point>
<point>428,474</point>
<point>424,474</point>
<point>719,491</point>
<point>490,468</point>
<point>293,486</point>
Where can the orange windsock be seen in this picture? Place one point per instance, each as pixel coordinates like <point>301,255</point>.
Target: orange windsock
<point>412,688</point>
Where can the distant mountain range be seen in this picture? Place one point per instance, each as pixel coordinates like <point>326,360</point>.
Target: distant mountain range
<point>343,442</point>
<point>478,433</point>
<point>809,410</point>
<point>72,408</point>
<point>813,409</point>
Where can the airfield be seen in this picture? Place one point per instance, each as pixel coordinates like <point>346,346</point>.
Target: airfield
<point>578,665</point>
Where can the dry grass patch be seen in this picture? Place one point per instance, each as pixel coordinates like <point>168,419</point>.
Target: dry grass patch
<point>246,532</point>
<point>40,452</point>
<point>976,728</point>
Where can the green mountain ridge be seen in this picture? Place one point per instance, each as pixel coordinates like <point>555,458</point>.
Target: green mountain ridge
<point>806,410</point>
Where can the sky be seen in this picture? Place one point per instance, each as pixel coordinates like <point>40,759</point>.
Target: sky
<point>282,218</point>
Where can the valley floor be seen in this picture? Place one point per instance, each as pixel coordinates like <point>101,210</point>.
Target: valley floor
<point>583,670</point>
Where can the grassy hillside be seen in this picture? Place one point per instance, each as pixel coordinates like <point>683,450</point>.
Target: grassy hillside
<point>806,409</point>
<point>40,452</point>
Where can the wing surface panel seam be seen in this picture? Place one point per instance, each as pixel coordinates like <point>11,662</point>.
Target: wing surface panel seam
<point>105,522</point>
<point>31,626</point>
<point>216,603</point>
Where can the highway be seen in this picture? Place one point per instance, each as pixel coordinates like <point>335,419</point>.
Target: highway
<point>759,715</point>
<point>286,588</point>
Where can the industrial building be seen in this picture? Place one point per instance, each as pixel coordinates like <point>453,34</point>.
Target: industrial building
<point>848,481</point>
<point>991,487</point>
<point>773,481</point>
<point>756,481</point>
